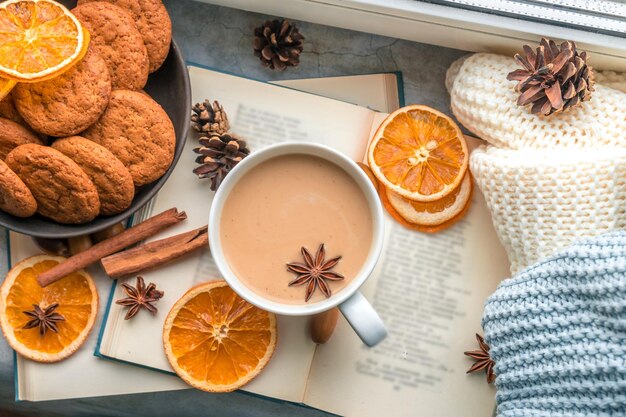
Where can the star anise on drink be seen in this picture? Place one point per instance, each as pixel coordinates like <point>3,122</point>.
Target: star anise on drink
<point>140,296</point>
<point>483,361</point>
<point>45,319</point>
<point>314,272</point>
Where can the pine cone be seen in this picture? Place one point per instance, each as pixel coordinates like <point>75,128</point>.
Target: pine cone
<point>210,118</point>
<point>278,44</point>
<point>218,155</point>
<point>554,78</point>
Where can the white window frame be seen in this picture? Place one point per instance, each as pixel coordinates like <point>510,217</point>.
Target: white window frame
<point>439,25</point>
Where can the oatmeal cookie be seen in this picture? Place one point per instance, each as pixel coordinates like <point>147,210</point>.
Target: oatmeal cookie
<point>138,132</point>
<point>12,135</point>
<point>153,23</point>
<point>111,178</point>
<point>8,110</point>
<point>115,37</point>
<point>63,191</point>
<point>15,197</point>
<point>69,103</point>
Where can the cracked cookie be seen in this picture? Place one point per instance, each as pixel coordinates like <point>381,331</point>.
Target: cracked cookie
<point>8,110</point>
<point>115,37</point>
<point>111,178</point>
<point>13,134</point>
<point>63,191</point>
<point>153,23</point>
<point>69,103</point>
<point>15,197</point>
<point>136,129</point>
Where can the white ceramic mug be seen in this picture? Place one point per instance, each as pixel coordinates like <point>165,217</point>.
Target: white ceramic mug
<point>355,308</point>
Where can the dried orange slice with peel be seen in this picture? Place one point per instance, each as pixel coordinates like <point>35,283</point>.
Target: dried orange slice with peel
<point>435,212</point>
<point>5,87</point>
<point>39,39</point>
<point>77,300</point>
<point>215,340</point>
<point>418,227</point>
<point>419,153</point>
<point>434,208</point>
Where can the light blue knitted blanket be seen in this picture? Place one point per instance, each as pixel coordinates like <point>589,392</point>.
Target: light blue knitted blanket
<point>557,333</point>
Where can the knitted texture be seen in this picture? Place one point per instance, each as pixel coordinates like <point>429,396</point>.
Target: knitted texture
<point>616,80</point>
<point>557,333</point>
<point>548,181</point>
<point>484,101</point>
<point>542,201</point>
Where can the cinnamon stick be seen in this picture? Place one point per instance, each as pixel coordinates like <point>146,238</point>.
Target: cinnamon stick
<point>107,247</point>
<point>155,253</point>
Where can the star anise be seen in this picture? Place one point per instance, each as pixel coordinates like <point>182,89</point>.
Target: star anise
<point>483,361</point>
<point>44,319</point>
<point>140,297</point>
<point>315,272</point>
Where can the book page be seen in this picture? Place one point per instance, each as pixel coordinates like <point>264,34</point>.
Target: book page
<point>379,118</point>
<point>68,379</point>
<point>262,114</point>
<point>375,91</point>
<point>429,290</point>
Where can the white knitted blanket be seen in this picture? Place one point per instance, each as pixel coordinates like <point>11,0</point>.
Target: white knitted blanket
<point>548,181</point>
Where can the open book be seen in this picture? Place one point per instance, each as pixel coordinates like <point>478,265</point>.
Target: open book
<point>429,289</point>
<point>68,379</point>
<point>83,374</point>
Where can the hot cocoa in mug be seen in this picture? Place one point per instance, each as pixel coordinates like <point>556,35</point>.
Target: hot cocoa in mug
<point>290,216</point>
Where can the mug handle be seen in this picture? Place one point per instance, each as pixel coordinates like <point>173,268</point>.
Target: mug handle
<point>363,318</point>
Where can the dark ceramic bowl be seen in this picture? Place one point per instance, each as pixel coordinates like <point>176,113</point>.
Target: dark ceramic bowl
<point>170,87</point>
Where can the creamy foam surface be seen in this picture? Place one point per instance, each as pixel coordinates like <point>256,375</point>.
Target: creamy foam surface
<point>288,202</point>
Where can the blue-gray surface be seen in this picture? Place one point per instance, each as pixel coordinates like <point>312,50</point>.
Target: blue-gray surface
<point>221,38</point>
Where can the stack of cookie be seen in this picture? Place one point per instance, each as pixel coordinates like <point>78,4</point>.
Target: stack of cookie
<point>78,145</point>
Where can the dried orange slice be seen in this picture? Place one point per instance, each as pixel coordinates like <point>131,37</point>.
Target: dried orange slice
<point>419,227</point>
<point>215,340</point>
<point>5,87</point>
<point>418,153</point>
<point>435,212</point>
<point>39,39</point>
<point>77,301</point>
